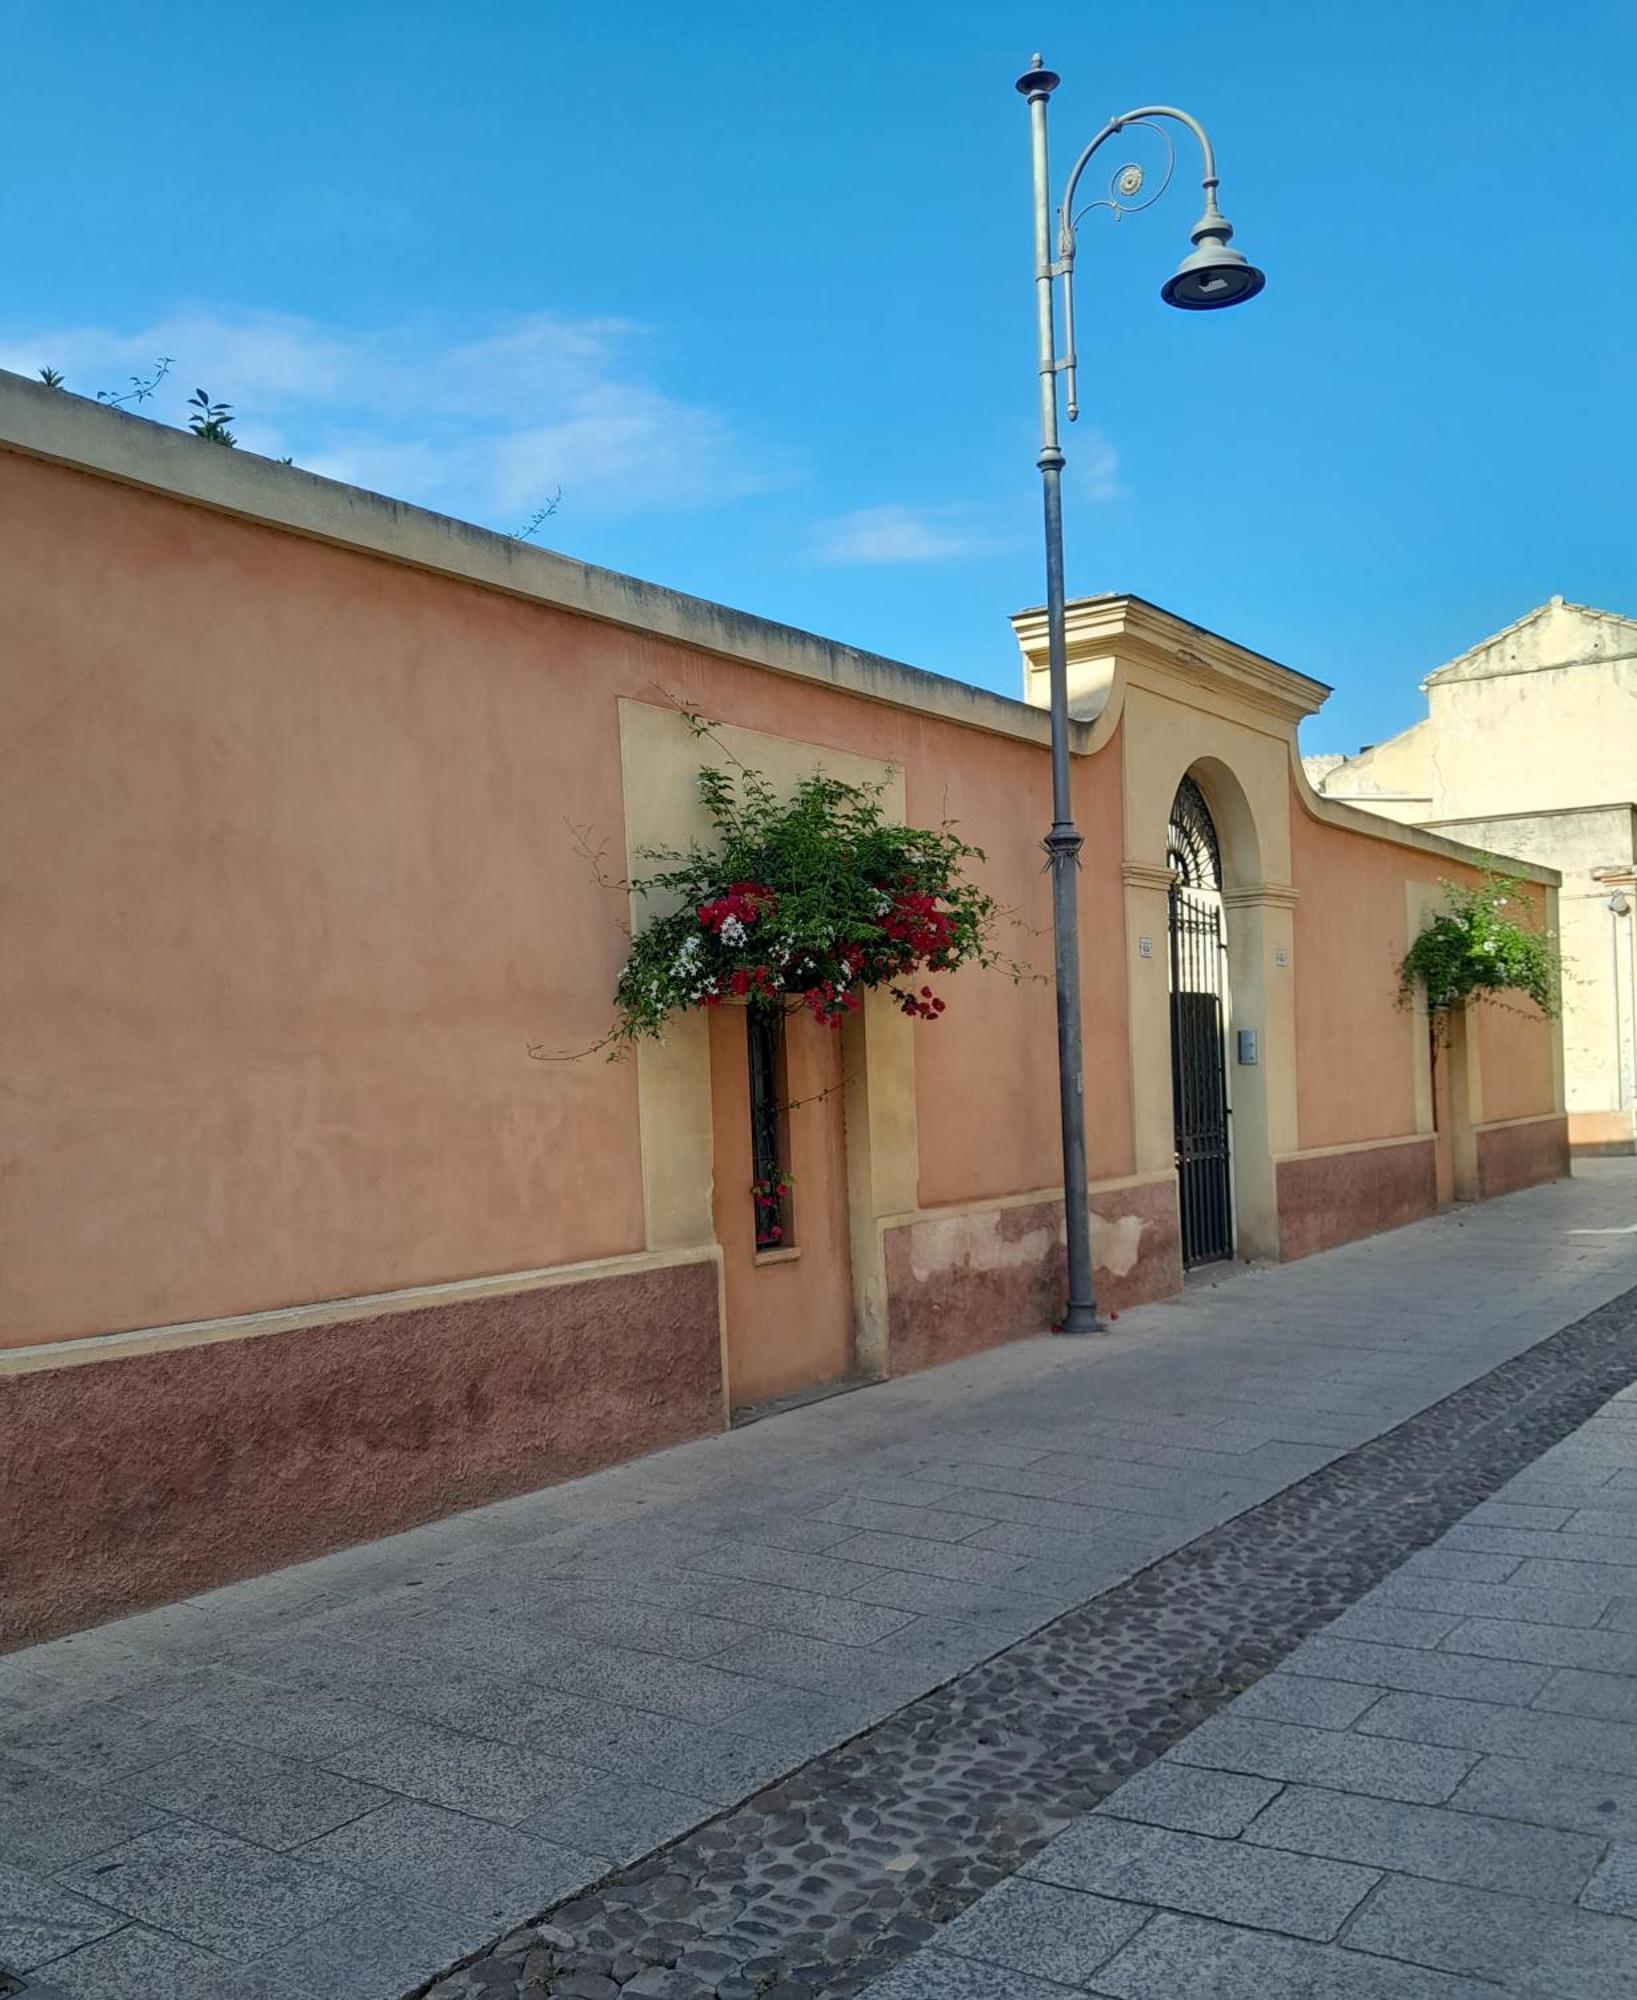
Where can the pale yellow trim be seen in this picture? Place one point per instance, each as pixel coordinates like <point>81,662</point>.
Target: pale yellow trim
<point>1145,875</point>
<point>1421,901</point>
<point>340,1312</point>
<point>1267,895</point>
<point>1466,1096</point>
<point>1116,623</point>
<point>883,1160</point>
<point>1534,1118</point>
<point>674,1134</point>
<point>1359,1146</point>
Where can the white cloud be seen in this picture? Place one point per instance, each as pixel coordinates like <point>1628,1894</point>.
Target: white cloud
<point>487,426</point>
<point>896,534</point>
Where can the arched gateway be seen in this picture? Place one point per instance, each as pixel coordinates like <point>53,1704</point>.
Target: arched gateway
<point>1199,1091</point>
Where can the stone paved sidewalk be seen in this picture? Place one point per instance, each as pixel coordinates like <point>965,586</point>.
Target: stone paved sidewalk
<point>1433,1799</point>
<point>338,1780</point>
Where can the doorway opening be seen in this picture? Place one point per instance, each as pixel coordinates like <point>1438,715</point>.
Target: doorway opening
<point>1198,984</point>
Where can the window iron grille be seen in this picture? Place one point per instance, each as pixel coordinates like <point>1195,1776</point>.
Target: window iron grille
<point>769,1129</point>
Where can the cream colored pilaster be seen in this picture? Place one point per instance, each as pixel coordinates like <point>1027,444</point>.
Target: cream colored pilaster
<point>1560,1096</point>
<point>1262,993</point>
<point>1147,940</point>
<point>1466,1102</point>
<point>674,1107</point>
<point>1421,901</point>
<point>883,1168</point>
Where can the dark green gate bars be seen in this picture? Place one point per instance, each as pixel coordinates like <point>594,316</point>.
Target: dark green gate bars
<point>1199,1089</point>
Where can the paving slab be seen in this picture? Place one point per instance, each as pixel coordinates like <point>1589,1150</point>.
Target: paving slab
<point>1177,1956</point>
<point>212,1890</point>
<point>1483,1852</point>
<point>1593,1802</point>
<point>1527,1946</point>
<point>1275,1889</point>
<point>41,1920</point>
<point>1036,1927</point>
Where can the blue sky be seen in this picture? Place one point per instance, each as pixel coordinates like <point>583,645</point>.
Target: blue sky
<point>752,285</point>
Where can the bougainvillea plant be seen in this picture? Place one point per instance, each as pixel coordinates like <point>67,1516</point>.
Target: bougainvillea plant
<point>1486,942</point>
<point>805,901</point>
<point>769,1196</point>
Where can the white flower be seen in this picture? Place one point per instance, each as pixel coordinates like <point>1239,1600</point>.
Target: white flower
<point>732,931</point>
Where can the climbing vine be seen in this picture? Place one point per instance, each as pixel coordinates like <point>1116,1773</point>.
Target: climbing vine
<point>1487,942</point>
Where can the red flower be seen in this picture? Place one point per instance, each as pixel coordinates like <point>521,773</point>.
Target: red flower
<point>747,901</point>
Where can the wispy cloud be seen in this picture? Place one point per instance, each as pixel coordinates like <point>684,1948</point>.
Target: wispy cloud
<point>898,534</point>
<point>487,426</point>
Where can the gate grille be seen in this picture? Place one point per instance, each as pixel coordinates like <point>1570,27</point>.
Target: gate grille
<point>1199,1094</point>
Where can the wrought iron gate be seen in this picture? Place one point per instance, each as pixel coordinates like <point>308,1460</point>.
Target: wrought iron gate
<point>1199,1089</point>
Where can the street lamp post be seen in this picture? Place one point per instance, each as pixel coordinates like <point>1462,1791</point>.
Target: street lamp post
<point>1212,275</point>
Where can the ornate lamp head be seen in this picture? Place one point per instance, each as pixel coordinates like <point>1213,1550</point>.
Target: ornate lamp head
<point>1213,274</point>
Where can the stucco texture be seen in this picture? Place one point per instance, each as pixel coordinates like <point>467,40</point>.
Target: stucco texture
<point>1517,1156</point>
<point>1515,1058</point>
<point>977,1277</point>
<point>1331,1198</point>
<point>1355,1071</point>
<point>288,893</point>
<point>986,1072</point>
<point>136,1481</point>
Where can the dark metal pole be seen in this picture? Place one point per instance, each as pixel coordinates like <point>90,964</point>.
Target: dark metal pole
<point>1063,842</point>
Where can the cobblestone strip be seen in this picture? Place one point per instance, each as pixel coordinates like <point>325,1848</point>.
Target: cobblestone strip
<point>822,1882</point>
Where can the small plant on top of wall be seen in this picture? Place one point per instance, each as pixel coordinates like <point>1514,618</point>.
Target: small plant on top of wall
<point>1486,943</point>
<point>807,902</point>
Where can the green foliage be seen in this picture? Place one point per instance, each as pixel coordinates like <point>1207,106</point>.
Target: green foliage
<point>1485,943</point>
<point>142,386</point>
<point>52,377</point>
<point>808,901</point>
<point>210,420</point>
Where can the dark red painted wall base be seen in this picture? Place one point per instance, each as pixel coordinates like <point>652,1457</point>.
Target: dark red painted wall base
<point>136,1482</point>
<point>1337,1197</point>
<point>1519,1156</point>
<point>946,1297</point>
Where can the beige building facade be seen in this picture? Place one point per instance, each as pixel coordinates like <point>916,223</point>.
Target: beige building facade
<point>1528,750</point>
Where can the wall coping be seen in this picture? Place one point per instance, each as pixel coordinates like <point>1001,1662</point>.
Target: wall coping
<point>62,428</point>
<point>87,436</point>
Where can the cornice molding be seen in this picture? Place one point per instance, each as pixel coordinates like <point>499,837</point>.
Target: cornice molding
<point>1267,895</point>
<point>1144,875</point>
<point>1143,635</point>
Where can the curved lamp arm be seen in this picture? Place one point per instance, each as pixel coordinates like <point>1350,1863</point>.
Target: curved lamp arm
<point>1211,224</point>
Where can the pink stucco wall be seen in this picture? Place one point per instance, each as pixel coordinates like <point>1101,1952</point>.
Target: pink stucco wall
<point>290,890</point>
<point>1354,1079</point>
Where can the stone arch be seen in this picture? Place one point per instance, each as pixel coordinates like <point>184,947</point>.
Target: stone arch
<point>1245,906</point>
<point>1238,840</point>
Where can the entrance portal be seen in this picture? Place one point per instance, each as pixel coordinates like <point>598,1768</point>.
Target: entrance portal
<point>1199,1084</point>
